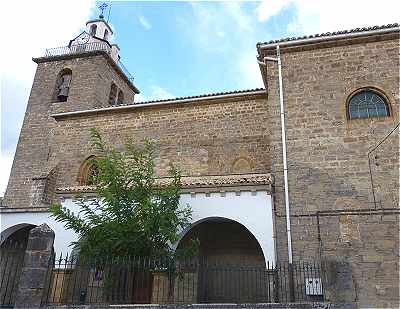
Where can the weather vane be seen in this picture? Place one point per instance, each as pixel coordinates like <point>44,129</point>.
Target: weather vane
<point>102,7</point>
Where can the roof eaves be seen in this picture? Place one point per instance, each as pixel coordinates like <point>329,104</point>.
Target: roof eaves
<point>183,100</point>
<point>201,96</point>
<point>331,35</point>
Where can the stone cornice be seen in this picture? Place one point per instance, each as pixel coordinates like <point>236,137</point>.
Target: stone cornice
<point>5,209</point>
<point>190,184</point>
<point>196,182</point>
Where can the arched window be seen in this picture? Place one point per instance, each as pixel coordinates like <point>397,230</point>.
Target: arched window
<point>120,99</point>
<point>106,34</point>
<point>93,29</point>
<point>367,103</point>
<point>92,173</point>
<point>241,165</point>
<point>88,172</point>
<point>62,85</point>
<point>113,94</point>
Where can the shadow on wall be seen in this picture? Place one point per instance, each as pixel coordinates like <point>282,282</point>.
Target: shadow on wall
<point>224,241</point>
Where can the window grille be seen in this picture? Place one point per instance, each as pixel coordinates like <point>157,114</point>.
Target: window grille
<point>367,104</point>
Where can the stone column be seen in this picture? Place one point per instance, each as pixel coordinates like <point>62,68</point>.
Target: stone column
<point>32,283</point>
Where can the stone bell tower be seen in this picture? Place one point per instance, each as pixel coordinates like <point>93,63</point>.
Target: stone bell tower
<point>85,74</point>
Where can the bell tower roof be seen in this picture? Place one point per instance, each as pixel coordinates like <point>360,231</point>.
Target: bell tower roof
<point>99,28</point>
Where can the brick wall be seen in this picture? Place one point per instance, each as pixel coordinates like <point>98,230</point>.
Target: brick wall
<point>328,162</point>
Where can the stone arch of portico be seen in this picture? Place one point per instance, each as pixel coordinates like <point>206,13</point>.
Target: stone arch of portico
<point>4,235</point>
<point>13,221</point>
<point>251,209</point>
<point>218,219</point>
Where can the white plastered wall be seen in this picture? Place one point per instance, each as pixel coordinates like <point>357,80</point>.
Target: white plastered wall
<point>63,237</point>
<point>252,209</point>
<point>101,28</point>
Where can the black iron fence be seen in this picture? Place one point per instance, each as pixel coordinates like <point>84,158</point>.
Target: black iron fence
<point>11,260</point>
<point>163,280</point>
<point>77,48</point>
<point>87,47</point>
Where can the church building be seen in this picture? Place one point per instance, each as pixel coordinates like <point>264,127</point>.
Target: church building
<point>306,168</point>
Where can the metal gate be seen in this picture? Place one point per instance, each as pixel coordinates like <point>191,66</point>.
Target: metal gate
<point>11,261</point>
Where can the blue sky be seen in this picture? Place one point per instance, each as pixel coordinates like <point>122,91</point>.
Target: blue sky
<point>171,48</point>
<point>182,48</point>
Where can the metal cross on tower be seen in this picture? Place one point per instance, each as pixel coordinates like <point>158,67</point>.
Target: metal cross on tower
<point>102,7</point>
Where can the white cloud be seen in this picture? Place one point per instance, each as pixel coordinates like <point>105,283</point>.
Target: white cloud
<point>213,25</point>
<point>269,8</point>
<point>145,23</point>
<point>157,93</point>
<point>250,76</point>
<point>320,16</point>
<point>32,27</point>
<point>226,28</point>
<point>5,165</point>
<point>234,10</point>
<point>160,93</point>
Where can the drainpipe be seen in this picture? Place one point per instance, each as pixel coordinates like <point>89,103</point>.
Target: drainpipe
<point>283,132</point>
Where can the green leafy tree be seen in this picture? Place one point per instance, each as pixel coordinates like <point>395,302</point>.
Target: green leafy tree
<point>132,215</point>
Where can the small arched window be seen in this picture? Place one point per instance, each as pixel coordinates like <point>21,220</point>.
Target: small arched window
<point>92,173</point>
<point>120,99</point>
<point>62,85</point>
<point>113,94</point>
<point>93,29</point>
<point>367,103</point>
<point>105,34</point>
<point>241,165</point>
<point>88,172</point>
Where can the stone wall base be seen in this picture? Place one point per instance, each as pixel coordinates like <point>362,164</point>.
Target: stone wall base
<point>212,306</point>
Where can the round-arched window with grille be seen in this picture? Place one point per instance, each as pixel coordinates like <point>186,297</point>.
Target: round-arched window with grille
<point>92,173</point>
<point>367,103</point>
<point>88,172</point>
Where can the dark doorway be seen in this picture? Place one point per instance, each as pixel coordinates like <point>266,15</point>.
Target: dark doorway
<point>231,262</point>
<point>12,251</point>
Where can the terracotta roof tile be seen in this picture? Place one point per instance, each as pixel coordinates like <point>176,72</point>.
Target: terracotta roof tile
<point>200,96</point>
<point>328,34</point>
<point>205,95</point>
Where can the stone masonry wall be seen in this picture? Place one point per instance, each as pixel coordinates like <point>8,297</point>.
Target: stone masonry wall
<point>33,144</point>
<point>89,88</point>
<point>215,306</point>
<point>327,154</point>
<point>328,162</point>
<point>106,75</point>
<point>204,138</point>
